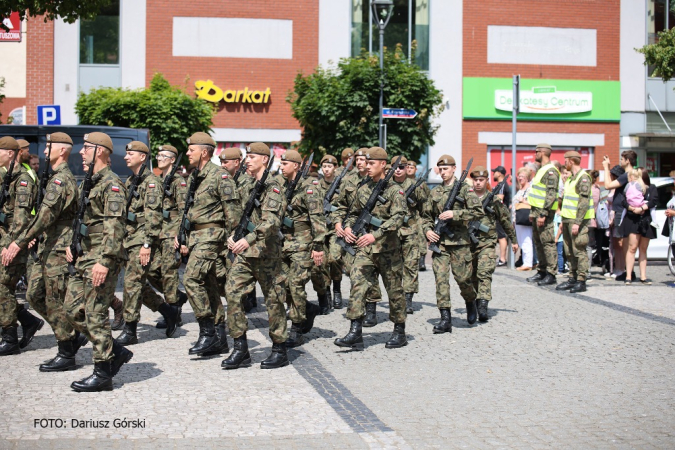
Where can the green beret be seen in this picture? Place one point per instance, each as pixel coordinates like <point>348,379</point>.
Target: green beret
<point>168,148</point>
<point>258,148</point>
<point>403,162</point>
<point>98,138</point>
<point>23,143</point>
<point>572,154</point>
<point>200,138</point>
<point>330,159</point>
<point>293,156</point>
<point>362,151</point>
<point>347,153</point>
<point>377,153</point>
<point>412,163</point>
<point>137,146</point>
<point>548,146</point>
<point>230,153</point>
<point>446,160</point>
<point>8,143</point>
<point>59,138</point>
<point>479,171</point>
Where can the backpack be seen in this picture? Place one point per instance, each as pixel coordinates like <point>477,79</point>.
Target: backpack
<point>602,212</point>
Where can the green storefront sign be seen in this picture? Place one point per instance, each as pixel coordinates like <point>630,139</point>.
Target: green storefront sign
<point>551,100</point>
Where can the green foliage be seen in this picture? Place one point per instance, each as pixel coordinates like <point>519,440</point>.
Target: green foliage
<point>661,55</point>
<point>68,10</point>
<point>167,111</point>
<point>339,108</point>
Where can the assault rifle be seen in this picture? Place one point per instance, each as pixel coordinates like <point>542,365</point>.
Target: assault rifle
<point>441,226</point>
<point>80,229</point>
<point>334,189</point>
<point>366,217</point>
<point>475,225</point>
<point>42,188</point>
<point>242,169</point>
<point>413,187</point>
<point>184,222</point>
<point>245,225</point>
<point>292,186</point>
<point>133,193</point>
<point>4,193</point>
<point>169,178</point>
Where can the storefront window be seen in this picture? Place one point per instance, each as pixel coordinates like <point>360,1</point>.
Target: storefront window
<point>100,37</point>
<point>409,26</point>
<point>660,17</point>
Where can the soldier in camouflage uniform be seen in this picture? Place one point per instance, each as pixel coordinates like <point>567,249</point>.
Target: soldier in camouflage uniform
<point>212,217</point>
<point>144,224</point>
<point>577,211</point>
<point>49,277</point>
<point>483,242</point>
<point>422,192</point>
<point>92,287</point>
<point>543,200</point>
<point>304,232</point>
<point>258,258</point>
<point>16,214</point>
<point>455,251</point>
<point>163,273</point>
<point>377,252</point>
<point>345,156</point>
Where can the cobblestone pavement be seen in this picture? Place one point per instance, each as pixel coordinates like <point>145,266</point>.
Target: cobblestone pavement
<point>548,370</point>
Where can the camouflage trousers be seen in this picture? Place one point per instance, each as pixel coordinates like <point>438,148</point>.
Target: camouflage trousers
<point>457,257</point>
<point>47,285</point>
<point>334,260</point>
<point>297,267</point>
<point>411,258</point>
<point>201,282</point>
<point>364,275</point>
<point>422,242</point>
<point>241,280</point>
<point>575,250</point>
<point>137,291</point>
<point>163,273</point>
<point>87,307</point>
<point>320,277</point>
<point>545,245</point>
<point>9,307</point>
<point>484,262</point>
<point>347,260</point>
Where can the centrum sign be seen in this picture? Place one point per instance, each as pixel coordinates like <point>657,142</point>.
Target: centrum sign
<point>545,100</point>
<point>208,91</point>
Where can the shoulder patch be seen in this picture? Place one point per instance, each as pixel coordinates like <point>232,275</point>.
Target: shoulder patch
<point>115,188</point>
<point>183,184</point>
<point>23,183</point>
<point>224,176</point>
<point>310,191</point>
<point>276,190</point>
<point>470,189</point>
<point>57,181</point>
<point>315,182</point>
<point>550,172</point>
<point>401,192</point>
<point>151,186</point>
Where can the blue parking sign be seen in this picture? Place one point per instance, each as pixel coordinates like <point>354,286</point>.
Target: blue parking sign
<point>49,114</point>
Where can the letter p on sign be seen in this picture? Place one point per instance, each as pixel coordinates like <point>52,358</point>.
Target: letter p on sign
<point>49,114</point>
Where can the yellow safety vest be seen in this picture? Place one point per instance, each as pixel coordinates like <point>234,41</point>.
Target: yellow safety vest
<point>537,196</point>
<point>570,203</point>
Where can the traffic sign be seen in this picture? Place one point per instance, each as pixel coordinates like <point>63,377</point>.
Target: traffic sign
<point>49,114</point>
<point>12,30</point>
<point>398,113</point>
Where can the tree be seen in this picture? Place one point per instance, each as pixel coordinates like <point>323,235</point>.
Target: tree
<point>167,111</point>
<point>339,108</point>
<point>661,55</point>
<point>68,10</point>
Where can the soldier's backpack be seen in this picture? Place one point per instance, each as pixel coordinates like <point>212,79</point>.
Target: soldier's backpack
<point>602,212</point>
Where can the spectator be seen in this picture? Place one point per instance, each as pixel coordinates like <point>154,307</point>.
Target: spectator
<point>498,175</point>
<point>557,222</point>
<point>34,163</point>
<point>523,227</point>
<point>617,263</point>
<point>601,206</point>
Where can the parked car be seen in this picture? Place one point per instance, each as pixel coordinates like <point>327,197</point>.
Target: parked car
<point>37,136</point>
<point>658,248</point>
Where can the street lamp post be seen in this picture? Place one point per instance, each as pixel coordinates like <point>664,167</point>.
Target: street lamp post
<point>382,10</point>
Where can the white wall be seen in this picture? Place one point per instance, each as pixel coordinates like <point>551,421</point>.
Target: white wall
<point>132,43</point>
<point>445,57</point>
<point>13,67</point>
<point>66,67</point>
<point>335,28</point>
<point>632,73</point>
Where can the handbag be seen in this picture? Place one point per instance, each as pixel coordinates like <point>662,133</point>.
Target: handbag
<point>523,214</point>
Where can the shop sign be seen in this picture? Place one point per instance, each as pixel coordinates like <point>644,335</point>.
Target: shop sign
<point>208,91</point>
<point>550,100</point>
<point>12,30</point>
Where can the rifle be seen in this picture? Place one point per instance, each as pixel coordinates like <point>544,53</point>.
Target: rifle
<point>333,189</point>
<point>413,187</point>
<point>133,193</point>
<point>169,178</point>
<point>290,191</point>
<point>42,188</point>
<point>365,217</point>
<point>184,222</point>
<point>4,193</point>
<point>475,225</point>
<point>80,229</point>
<point>245,225</point>
<point>242,169</point>
<point>441,226</point>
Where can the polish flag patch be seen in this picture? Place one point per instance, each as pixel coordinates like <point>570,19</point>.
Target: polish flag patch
<point>151,186</point>
<point>57,181</point>
<point>183,183</point>
<point>276,190</point>
<point>224,176</point>
<point>23,183</point>
<point>401,192</point>
<point>315,182</point>
<point>309,191</point>
<point>115,188</point>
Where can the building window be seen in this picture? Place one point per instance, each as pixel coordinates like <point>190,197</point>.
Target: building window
<point>660,17</point>
<point>100,37</point>
<point>409,26</point>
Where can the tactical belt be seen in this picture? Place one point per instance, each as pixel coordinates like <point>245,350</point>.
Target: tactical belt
<point>204,226</point>
<point>95,229</point>
<point>169,214</point>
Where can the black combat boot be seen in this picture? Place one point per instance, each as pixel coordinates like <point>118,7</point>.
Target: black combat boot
<point>182,298</point>
<point>278,357</point>
<point>122,355</point>
<point>329,300</point>
<point>100,380</point>
<point>536,277</point>
<point>295,337</point>
<point>397,338</point>
<point>10,341</point>
<point>565,285</point>
<point>79,341</point>
<point>222,346</point>
<point>249,302</point>
<point>118,308</point>
<point>482,310</point>
<point>408,303</point>
<point>371,315</point>
<point>337,295</point>
<point>324,305</point>
<point>128,336</point>
<point>422,265</point>
<point>579,286</point>
<point>547,280</point>
<point>311,311</point>
<point>239,356</point>
<point>161,323</point>
<point>354,337</point>
<point>64,359</point>
<point>445,325</point>
<point>207,337</point>
<point>29,326</point>
<point>171,313</point>
<point>471,312</point>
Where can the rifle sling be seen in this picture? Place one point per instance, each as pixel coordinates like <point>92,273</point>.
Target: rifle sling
<point>204,226</point>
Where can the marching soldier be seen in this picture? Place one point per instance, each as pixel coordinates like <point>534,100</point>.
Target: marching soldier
<point>258,258</point>
<point>422,193</point>
<point>91,288</point>
<point>543,200</point>
<point>378,251</point>
<point>346,154</point>
<point>455,250</point>
<point>483,242</point>
<point>304,231</point>
<point>16,208</point>
<point>143,227</point>
<point>49,277</point>
<point>577,210</point>
<point>212,217</point>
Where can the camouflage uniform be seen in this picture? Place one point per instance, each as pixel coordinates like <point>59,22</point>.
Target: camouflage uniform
<point>544,237</point>
<point>105,219</point>
<point>575,246</point>
<point>409,236</point>
<point>422,193</point>
<point>330,270</point>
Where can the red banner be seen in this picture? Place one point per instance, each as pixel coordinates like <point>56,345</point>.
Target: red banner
<point>13,23</point>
